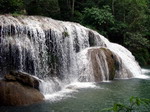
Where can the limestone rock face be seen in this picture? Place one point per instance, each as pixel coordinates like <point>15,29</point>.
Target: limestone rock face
<point>15,94</point>
<point>24,78</point>
<point>45,47</point>
<point>103,63</point>
<point>99,63</point>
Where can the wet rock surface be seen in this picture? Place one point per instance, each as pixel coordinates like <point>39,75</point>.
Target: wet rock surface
<point>16,94</point>
<point>19,88</point>
<point>24,78</point>
<point>103,63</point>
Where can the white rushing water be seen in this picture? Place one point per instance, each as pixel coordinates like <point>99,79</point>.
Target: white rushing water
<point>144,71</point>
<point>69,90</point>
<point>59,53</point>
<point>144,74</point>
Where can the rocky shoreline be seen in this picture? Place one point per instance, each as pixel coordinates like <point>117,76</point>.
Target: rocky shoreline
<point>19,88</point>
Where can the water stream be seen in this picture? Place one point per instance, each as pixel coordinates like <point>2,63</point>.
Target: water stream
<point>71,61</point>
<point>88,97</point>
<point>61,53</point>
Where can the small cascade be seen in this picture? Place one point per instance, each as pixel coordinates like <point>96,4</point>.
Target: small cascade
<point>61,53</point>
<point>145,71</point>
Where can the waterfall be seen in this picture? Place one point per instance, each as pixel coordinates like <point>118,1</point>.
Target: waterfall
<point>60,52</point>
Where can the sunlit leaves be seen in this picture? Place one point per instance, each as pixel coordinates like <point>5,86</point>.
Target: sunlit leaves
<point>134,104</point>
<point>101,19</point>
<point>98,16</point>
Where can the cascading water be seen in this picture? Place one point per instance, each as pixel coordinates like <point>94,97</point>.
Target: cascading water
<point>60,53</point>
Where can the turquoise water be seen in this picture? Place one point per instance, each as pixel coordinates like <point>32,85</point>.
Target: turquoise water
<point>92,99</point>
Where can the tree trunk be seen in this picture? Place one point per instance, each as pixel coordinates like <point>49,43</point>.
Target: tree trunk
<point>66,8</point>
<point>113,8</point>
<point>72,12</point>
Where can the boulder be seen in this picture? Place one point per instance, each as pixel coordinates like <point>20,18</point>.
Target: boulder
<point>13,93</point>
<point>103,59</point>
<point>23,78</point>
<point>97,64</point>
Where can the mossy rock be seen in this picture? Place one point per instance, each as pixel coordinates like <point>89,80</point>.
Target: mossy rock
<point>65,34</point>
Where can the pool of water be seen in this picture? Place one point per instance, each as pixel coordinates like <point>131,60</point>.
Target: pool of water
<point>92,99</point>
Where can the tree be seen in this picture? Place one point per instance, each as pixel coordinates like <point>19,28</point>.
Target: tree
<point>48,8</point>
<point>136,34</point>
<point>122,21</point>
<point>100,19</point>
<point>66,9</point>
<point>11,6</point>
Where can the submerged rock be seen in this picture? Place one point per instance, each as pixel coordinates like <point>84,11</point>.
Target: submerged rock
<point>23,78</point>
<point>16,94</point>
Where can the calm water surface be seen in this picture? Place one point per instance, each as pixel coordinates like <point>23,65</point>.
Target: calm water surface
<point>92,99</point>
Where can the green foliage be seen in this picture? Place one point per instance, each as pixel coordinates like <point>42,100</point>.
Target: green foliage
<point>78,17</point>
<point>65,34</point>
<point>11,6</point>
<point>96,16</point>
<point>142,56</point>
<point>42,7</point>
<point>139,46</point>
<point>101,19</point>
<point>134,104</point>
<point>136,41</point>
<point>122,21</point>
